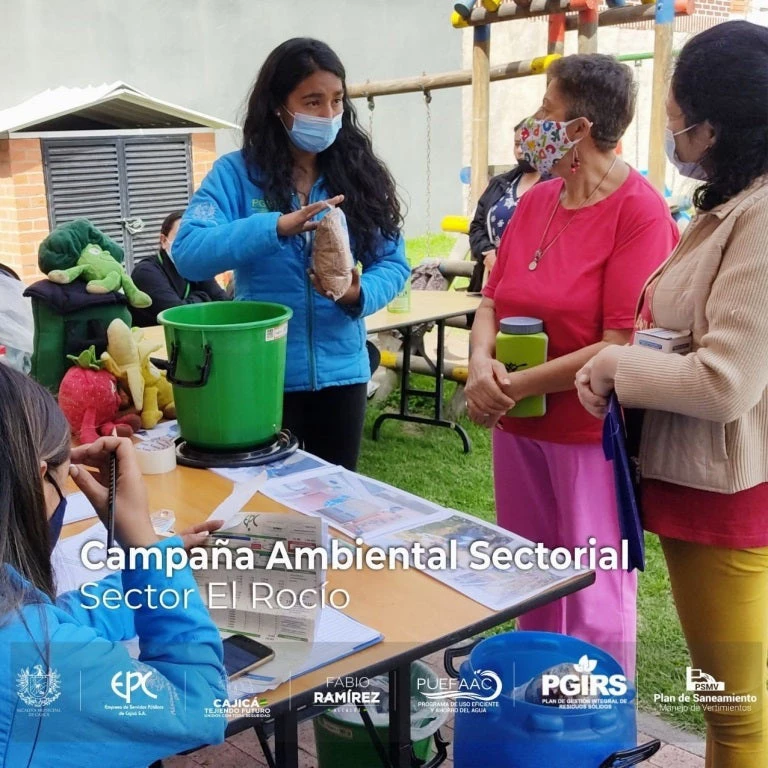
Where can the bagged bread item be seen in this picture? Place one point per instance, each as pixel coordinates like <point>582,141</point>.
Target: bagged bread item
<point>332,260</point>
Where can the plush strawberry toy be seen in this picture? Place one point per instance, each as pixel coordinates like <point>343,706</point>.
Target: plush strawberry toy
<point>90,401</point>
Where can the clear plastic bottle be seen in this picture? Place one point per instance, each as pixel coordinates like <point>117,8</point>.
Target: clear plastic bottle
<point>402,302</point>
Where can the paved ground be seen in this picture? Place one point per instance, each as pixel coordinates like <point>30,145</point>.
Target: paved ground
<point>243,751</point>
<point>679,750</point>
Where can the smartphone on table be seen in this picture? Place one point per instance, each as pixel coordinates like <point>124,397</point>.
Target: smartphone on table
<point>242,654</point>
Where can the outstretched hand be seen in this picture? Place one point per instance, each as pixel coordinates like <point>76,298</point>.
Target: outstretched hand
<point>296,222</point>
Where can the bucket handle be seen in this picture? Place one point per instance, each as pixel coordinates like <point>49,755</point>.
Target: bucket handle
<point>441,745</point>
<point>627,757</point>
<point>455,653</point>
<point>169,366</point>
<point>440,756</point>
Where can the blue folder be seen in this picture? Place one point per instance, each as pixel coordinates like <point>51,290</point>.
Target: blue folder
<point>615,449</point>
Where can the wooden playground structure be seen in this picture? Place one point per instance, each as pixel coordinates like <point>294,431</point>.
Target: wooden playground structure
<point>581,16</point>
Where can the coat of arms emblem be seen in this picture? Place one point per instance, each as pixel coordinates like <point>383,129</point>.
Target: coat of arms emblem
<point>38,688</point>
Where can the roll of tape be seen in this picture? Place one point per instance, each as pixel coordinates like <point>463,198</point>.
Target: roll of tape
<point>156,456</point>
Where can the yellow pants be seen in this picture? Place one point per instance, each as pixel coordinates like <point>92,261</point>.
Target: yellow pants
<point>722,600</point>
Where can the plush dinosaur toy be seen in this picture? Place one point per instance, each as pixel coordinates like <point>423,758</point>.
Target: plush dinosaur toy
<point>78,250</point>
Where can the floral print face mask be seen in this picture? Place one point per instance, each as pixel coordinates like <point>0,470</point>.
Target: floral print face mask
<point>545,142</point>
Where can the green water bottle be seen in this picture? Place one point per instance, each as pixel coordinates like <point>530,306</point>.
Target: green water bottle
<point>402,302</point>
<point>521,344</point>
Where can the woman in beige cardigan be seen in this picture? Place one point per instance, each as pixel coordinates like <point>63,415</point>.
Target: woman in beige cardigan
<point>704,447</point>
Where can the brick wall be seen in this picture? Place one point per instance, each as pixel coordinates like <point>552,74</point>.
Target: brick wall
<point>23,205</point>
<point>707,14</point>
<point>203,156</point>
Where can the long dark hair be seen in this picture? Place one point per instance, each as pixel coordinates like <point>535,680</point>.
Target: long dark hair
<point>32,430</point>
<point>722,77</point>
<point>349,165</point>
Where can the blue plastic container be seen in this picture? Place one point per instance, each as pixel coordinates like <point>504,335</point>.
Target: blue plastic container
<point>520,734</point>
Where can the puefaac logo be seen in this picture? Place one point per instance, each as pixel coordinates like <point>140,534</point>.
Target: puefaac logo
<point>485,685</point>
<point>583,683</point>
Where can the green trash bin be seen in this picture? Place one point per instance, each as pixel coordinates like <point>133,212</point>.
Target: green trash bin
<point>226,361</point>
<point>343,742</point>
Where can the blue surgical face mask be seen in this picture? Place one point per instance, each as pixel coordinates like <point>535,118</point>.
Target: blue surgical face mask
<point>314,134</point>
<point>56,520</point>
<point>690,170</point>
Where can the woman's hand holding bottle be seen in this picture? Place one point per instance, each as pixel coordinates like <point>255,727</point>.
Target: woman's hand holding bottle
<point>486,400</point>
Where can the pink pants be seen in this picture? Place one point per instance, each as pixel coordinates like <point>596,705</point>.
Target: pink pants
<point>561,495</point>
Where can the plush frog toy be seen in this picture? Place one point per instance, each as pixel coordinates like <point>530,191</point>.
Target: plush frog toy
<point>78,250</point>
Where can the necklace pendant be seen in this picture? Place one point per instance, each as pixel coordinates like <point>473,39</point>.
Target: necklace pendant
<point>535,262</point>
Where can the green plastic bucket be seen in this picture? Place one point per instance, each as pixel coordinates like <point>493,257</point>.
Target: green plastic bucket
<point>226,361</point>
<point>343,742</point>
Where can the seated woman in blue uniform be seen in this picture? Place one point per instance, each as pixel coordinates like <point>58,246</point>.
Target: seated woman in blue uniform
<point>64,662</point>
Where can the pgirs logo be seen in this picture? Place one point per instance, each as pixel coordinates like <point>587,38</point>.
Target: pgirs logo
<point>582,683</point>
<point>696,680</point>
<point>485,685</point>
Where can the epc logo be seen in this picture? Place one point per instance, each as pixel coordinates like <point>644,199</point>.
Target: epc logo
<point>125,683</point>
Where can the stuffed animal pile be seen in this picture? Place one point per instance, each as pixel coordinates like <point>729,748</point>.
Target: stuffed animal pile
<point>121,391</point>
<point>127,358</point>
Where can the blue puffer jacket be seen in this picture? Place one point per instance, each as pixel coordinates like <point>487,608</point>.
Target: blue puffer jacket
<point>228,226</point>
<point>85,722</point>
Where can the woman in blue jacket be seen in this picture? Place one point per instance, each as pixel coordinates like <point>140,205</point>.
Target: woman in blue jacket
<point>65,675</point>
<point>303,151</point>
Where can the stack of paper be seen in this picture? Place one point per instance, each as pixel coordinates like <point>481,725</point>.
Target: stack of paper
<point>338,636</point>
<point>262,601</point>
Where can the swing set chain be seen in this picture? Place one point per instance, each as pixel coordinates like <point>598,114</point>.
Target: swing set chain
<point>428,103</point>
<point>371,107</point>
<point>637,77</point>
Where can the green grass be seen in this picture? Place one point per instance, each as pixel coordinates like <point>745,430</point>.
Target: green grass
<point>435,246</point>
<point>661,650</point>
<point>429,462</point>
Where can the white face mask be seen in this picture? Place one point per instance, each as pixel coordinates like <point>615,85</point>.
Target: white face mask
<point>168,251</point>
<point>690,170</point>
